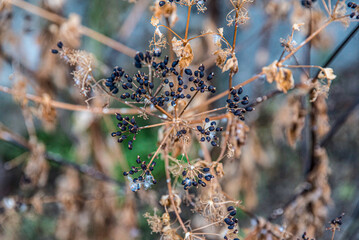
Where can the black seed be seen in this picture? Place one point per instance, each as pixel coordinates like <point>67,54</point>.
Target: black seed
<point>230,208</point>
<point>206,169</point>
<point>60,44</point>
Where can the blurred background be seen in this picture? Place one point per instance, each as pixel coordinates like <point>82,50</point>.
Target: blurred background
<point>54,200</point>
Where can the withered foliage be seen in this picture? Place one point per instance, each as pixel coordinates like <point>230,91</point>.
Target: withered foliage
<point>210,143</point>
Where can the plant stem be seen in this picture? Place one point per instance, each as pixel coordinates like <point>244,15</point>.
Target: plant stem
<point>187,23</point>
<point>73,107</point>
<point>313,35</point>
<point>170,193</point>
<point>159,147</point>
<point>189,102</point>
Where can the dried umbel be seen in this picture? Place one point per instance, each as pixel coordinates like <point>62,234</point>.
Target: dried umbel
<point>212,208</point>
<point>83,63</point>
<point>175,95</point>
<point>239,14</point>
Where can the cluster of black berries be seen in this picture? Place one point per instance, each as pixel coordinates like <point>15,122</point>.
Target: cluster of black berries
<point>140,87</point>
<point>197,78</point>
<point>207,133</point>
<point>231,221</point>
<point>59,45</point>
<point>353,6</point>
<point>195,177</point>
<point>114,78</point>
<point>121,79</point>
<point>307,3</point>
<point>133,92</point>
<point>127,126</point>
<point>235,103</point>
<point>145,179</point>
<point>176,90</point>
<point>146,58</point>
<point>181,132</point>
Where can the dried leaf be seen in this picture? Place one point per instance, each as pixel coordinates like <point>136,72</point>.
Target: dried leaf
<point>282,76</point>
<point>183,51</point>
<point>231,64</point>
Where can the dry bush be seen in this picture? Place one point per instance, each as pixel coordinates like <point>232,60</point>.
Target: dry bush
<point>209,153</point>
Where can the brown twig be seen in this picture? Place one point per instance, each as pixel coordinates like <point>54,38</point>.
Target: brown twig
<point>73,107</point>
<point>170,193</point>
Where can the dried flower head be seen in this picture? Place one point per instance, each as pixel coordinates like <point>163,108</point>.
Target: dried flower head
<point>83,63</point>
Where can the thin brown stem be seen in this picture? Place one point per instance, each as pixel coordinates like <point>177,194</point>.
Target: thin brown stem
<point>160,146</point>
<point>169,35</point>
<point>73,107</point>
<point>313,35</point>
<point>187,23</point>
<point>169,29</point>
<point>189,102</point>
<point>333,233</point>
<point>170,193</point>
<point>155,125</point>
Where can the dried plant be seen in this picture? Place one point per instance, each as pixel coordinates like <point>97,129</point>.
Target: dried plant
<point>209,154</point>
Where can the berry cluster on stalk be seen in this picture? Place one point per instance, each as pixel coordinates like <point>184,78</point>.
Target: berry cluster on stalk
<point>231,221</point>
<point>127,128</point>
<point>145,178</point>
<point>355,13</point>
<point>170,87</point>
<point>181,133</point>
<point>208,133</point>
<point>195,177</point>
<point>236,104</point>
